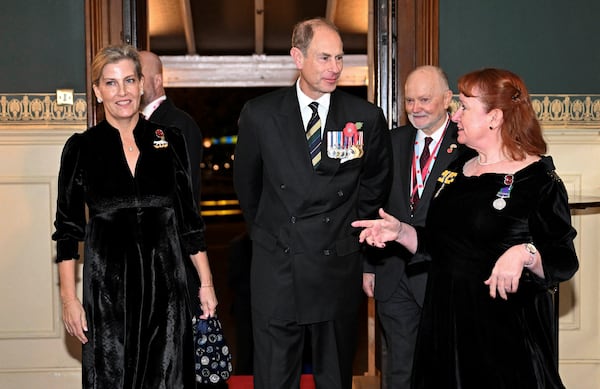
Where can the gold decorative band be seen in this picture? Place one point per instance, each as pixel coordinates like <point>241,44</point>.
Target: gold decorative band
<point>41,108</point>
<point>580,111</point>
<point>553,111</point>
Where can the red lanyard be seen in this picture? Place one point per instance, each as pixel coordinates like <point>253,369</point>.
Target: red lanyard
<point>420,175</point>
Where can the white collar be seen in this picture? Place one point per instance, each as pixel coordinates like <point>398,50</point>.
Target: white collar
<point>304,100</point>
<point>436,135</point>
<point>150,108</point>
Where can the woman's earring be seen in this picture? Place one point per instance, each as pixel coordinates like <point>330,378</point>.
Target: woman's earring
<point>99,100</point>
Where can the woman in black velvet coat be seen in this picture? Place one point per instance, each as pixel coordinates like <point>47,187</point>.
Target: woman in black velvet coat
<point>141,225</point>
<point>500,237</point>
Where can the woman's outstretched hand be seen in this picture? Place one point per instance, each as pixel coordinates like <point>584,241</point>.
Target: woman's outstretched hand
<point>379,231</point>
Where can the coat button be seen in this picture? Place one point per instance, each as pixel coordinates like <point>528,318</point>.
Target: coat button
<point>326,252</point>
<point>282,186</point>
<point>326,219</point>
<point>293,219</point>
<point>286,250</point>
<point>340,193</point>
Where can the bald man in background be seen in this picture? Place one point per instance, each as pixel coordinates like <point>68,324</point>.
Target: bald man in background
<point>158,108</point>
<point>395,277</point>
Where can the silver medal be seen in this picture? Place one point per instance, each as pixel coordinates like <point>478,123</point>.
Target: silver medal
<point>499,204</point>
<point>331,151</point>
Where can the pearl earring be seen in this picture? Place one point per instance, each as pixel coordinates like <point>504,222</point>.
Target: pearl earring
<point>99,100</point>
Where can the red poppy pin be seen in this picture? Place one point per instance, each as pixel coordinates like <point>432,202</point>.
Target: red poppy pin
<point>159,139</point>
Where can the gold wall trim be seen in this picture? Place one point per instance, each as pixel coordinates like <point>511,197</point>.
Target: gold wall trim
<point>579,111</point>
<point>563,111</point>
<point>41,108</point>
<point>553,111</point>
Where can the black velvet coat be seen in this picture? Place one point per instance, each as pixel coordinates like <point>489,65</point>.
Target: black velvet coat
<point>467,339</point>
<point>139,230</point>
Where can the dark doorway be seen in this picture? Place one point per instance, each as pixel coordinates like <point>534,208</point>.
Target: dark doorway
<point>216,111</point>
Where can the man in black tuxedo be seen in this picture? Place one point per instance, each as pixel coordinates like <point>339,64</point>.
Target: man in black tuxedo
<point>298,203</point>
<point>158,108</point>
<point>393,276</point>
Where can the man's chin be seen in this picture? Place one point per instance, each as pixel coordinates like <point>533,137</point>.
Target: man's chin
<point>418,123</point>
<point>329,85</point>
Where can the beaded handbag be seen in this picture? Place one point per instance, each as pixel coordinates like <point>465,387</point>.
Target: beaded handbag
<point>213,359</point>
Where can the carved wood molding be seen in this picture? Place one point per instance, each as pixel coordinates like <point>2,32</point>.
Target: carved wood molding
<point>249,71</point>
<point>104,26</point>
<point>417,23</point>
<point>427,32</point>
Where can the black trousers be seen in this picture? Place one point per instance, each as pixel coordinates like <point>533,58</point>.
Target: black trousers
<point>279,347</point>
<point>399,317</point>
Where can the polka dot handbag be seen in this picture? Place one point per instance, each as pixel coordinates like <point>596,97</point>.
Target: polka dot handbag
<point>213,360</point>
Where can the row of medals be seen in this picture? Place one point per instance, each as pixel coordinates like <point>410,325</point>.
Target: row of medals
<point>340,146</point>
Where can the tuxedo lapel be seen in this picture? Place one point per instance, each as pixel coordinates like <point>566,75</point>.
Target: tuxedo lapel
<point>403,151</point>
<point>292,137</point>
<point>332,123</point>
<point>447,153</point>
<point>159,114</point>
<point>294,146</point>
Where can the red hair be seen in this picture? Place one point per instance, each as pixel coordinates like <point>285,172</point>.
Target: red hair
<point>501,89</point>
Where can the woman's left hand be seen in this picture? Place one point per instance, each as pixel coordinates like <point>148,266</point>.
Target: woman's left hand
<point>206,292</point>
<point>208,301</point>
<point>507,272</point>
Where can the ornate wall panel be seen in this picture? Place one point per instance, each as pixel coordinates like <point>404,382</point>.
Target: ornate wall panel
<point>34,352</point>
<point>576,153</point>
<point>30,221</point>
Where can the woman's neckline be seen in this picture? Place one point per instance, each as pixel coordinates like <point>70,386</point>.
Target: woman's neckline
<point>499,173</point>
<point>489,163</point>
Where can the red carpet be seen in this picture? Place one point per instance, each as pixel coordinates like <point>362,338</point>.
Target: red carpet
<point>245,382</point>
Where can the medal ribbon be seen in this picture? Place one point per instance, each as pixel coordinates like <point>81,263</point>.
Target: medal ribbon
<point>504,193</point>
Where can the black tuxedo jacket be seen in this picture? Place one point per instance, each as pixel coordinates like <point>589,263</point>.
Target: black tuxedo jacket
<point>168,114</point>
<point>306,263</point>
<point>389,264</point>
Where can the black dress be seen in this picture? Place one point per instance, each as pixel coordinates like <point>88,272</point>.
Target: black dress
<point>468,340</point>
<point>139,231</point>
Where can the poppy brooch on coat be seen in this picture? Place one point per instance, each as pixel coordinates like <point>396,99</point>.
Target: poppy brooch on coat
<point>159,139</point>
